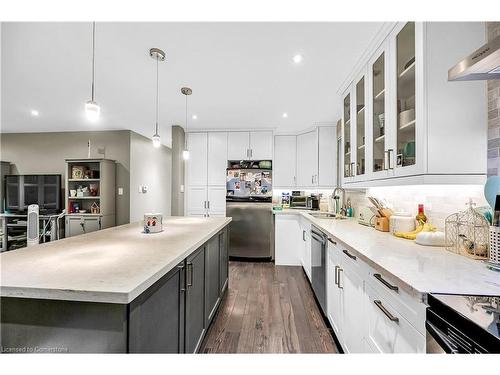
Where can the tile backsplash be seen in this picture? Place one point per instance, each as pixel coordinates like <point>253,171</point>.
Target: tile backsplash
<point>439,201</point>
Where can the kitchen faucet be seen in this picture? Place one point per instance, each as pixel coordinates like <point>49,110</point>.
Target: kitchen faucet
<point>339,200</point>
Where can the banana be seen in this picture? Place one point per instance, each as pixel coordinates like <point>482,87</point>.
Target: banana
<point>413,234</point>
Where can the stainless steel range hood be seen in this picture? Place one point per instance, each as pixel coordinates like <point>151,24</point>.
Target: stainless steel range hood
<point>482,64</point>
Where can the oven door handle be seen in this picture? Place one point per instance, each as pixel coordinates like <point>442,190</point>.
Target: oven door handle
<point>443,341</point>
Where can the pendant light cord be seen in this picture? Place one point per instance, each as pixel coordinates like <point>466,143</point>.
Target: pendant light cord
<point>185,138</point>
<point>93,58</point>
<point>157,97</point>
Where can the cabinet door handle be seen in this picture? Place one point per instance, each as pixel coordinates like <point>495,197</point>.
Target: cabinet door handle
<point>337,275</point>
<point>181,268</point>
<point>205,204</point>
<point>385,282</point>
<point>208,204</point>
<point>338,278</point>
<point>353,257</point>
<point>251,153</point>
<point>332,241</point>
<point>386,312</point>
<point>189,274</point>
<point>352,169</point>
<point>389,152</point>
<point>303,235</point>
<point>386,160</point>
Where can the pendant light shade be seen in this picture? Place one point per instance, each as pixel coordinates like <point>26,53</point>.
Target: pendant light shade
<point>92,109</point>
<point>158,55</point>
<point>186,91</point>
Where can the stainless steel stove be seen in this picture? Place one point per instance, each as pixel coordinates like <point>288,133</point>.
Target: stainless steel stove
<point>463,324</point>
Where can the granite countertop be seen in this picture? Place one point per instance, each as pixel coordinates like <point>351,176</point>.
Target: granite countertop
<point>422,269</point>
<point>113,265</point>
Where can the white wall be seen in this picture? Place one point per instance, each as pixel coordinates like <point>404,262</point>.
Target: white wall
<point>151,167</point>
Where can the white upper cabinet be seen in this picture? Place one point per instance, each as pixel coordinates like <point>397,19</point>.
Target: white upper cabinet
<point>238,146</point>
<point>197,164</point>
<point>217,158</point>
<point>327,152</point>
<point>257,145</point>
<point>419,127</point>
<point>284,162</point>
<point>261,145</point>
<point>307,159</point>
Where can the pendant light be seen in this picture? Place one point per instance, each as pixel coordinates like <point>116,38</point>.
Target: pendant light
<point>92,109</point>
<point>186,91</point>
<point>158,55</point>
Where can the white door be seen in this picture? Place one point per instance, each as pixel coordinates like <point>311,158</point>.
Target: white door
<point>197,164</point>
<point>352,296</point>
<point>216,200</point>
<point>261,145</point>
<point>284,162</point>
<point>196,200</point>
<point>238,146</point>
<point>333,301</point>
<point>217,158</point>
<point>307,159</point>
<point>327,151</point>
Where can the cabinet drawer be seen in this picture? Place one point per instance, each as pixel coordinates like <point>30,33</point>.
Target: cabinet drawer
<point>410,307</point>
<point>388,330</point>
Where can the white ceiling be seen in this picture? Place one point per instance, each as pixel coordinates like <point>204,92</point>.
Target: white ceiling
<point>242,74</point>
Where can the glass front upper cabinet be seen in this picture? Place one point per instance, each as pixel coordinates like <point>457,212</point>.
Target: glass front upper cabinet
<point>347,136</point>
<point>405,60</point>
<point>378,105</point>
<point>360,127</point>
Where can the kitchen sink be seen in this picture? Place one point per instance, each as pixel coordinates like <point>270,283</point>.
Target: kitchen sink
<point>327,215</point>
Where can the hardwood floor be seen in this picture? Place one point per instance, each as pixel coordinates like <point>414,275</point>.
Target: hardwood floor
<point>268,309</point>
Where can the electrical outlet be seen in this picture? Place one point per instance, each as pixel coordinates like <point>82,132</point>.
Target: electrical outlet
<point>120,191</point>
<point>144,189</point>
<point>182,188</point>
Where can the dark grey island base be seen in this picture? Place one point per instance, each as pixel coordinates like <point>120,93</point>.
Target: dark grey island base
<point>171,316</point>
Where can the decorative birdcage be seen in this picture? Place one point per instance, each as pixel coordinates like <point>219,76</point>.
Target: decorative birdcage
<point>467,233</point>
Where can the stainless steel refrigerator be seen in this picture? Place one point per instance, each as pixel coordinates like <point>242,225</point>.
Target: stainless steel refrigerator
<point>249,203</point>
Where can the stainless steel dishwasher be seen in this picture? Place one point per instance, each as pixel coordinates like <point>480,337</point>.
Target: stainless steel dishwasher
<point>318,265</point>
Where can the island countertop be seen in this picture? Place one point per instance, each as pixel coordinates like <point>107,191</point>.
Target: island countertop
<point>113,265</point>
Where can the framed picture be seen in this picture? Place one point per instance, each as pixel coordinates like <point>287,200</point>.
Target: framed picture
<point>77,172</point>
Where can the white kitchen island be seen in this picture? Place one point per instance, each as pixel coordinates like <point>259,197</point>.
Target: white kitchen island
<point>116,290</point>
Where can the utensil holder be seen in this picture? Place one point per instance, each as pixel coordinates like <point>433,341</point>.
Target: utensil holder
<point>495,245</point>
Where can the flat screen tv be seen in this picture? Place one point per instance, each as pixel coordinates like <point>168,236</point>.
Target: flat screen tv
<point>23,190</point>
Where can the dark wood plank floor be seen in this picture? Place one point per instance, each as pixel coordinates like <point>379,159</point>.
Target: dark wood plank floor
<point>268,309</point>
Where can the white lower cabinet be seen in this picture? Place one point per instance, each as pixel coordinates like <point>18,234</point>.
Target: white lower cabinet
<point>388,330</point>
<point>305,247</point>
<point>333,296</point>
<point>363,315</point>
<point>287,240</point>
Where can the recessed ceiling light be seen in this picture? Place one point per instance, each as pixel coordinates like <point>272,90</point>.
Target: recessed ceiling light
<point>34,113</point>
<point>284,115</point>
<point>194,117</point>
<point>297,59</point>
